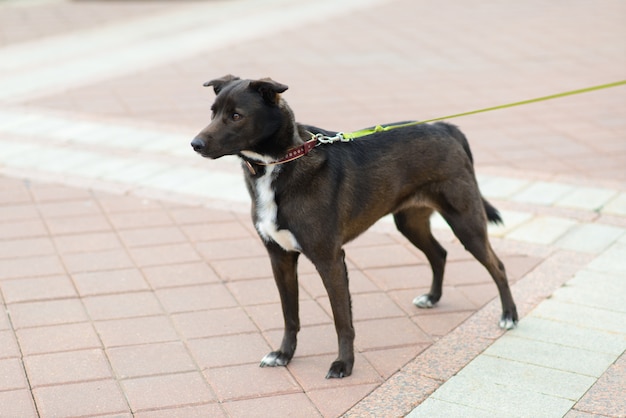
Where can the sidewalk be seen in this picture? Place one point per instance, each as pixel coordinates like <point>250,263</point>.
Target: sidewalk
<point>132,281</point>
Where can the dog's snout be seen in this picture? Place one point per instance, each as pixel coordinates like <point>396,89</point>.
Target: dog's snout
<point>197,144</point>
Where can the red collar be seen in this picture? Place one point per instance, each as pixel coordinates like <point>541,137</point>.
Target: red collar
<point>292,154</point>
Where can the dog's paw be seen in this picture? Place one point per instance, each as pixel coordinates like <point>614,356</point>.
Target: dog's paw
<point>423,301</point>
<point>508,321</point>
<point>275,358</point>
<point>338,370</point>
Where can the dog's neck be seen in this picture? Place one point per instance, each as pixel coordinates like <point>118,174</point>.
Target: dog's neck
<point>254,160</point>
<point>286,144</point>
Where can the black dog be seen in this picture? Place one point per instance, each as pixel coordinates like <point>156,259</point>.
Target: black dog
<point>315,204</point>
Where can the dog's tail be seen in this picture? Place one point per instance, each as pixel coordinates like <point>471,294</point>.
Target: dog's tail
<point>493,215</point>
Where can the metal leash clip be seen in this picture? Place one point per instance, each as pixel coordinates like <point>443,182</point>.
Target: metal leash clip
<point>323,139</point>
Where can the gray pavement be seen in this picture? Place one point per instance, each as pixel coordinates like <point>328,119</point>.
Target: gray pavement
<point>111,107</point>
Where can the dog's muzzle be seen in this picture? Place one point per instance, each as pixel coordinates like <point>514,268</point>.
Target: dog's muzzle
<point>198,145</point>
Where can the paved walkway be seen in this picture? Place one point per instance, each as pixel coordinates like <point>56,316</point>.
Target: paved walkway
<point>132,282</point>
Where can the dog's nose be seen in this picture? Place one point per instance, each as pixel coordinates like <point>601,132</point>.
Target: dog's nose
<point>197,144</point>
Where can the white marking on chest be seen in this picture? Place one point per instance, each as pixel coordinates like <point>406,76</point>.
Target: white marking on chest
<point>267,211</point>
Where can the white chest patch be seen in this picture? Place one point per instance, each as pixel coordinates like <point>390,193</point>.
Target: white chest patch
<point>267,210</point>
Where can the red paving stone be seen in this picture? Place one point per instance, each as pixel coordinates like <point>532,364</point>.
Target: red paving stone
<point>118,304</point>
<point>151,300</point>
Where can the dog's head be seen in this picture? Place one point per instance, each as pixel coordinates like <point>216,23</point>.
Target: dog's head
<point>244,114</point>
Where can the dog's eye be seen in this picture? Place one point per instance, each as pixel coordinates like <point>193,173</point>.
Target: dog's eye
<point>235,117</point>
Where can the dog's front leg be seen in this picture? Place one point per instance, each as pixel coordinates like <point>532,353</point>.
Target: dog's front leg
<point>284,266</point>
<point>335,277</point>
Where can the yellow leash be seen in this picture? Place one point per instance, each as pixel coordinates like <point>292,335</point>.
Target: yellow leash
<point>364,132</point>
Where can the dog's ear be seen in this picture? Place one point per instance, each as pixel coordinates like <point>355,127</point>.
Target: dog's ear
<point>269,89</point>
<point>219,83</point>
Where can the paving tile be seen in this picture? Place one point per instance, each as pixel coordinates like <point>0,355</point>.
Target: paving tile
<point>374,334</point>
<point>253,292</point>
<point>234,382</point>
<point>86,398</point>
<point>57,338</point>
<point>567,334</point>
<point>611,261</point>
<point>164,254</point>
<point>213,410</point>
<point>12,373</point>
<point>68,208</point>
<point>589,238</point>
<point>53,312</point>
<point>146,330</point>
<point>216,231</point>
<point>48,265</point>
<point>576,295</point>
<point>442,323</point>
<point>432,407</point>
<point>586,198</point>
<point>368,306</point>
<point>199,215</point>
<point>243,268</point>
<point>389,361</point>
<point>447,356</point>
<point>98,260</point>
<point>166,391</point>
<point>53,192</point>
<point>542,193</point>
<point>296,405</point>
<point>382,256</point>
<point>26,247</point>
<point>152,236</point>
<point>616,206</point>
<point>139,219</point>
<point>512,219</point>
<point>269,316</point>
<point>466,272</point>
<point>568,359</point>
<point>8,345</point>
<point>310,372</point>
<point>67,367</point>
<point>26,290</point>
<point>228,350</point>
<point>112,203</point>
<point>87,242</point>
<point>213,323</point>
<point>126,305</point>
<point>312,340</point>
<point>526,376</point>
<point>583,316</point>
<point>195,298</point>
<point>335,401</point>
<point>401,277</point>
<point>110,281</point>
<point>605,396</point>
<point>231,248</point>
<point>150,359</point>
<point>78,224</point>
<point>479,294</point>
<point>22,229</point>
<point>452,300</point>
<point>179,275</point>
<point>542,230</point>
<point>18,403</point>
<point>480,394</point>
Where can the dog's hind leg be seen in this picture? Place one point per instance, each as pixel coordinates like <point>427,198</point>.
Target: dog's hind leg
<point>414,224</point>
<point>335,277</point>
<point>471,230</point>
<point>284,267</point>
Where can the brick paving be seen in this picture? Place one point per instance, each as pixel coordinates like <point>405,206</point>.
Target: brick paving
<point>133,283</point>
